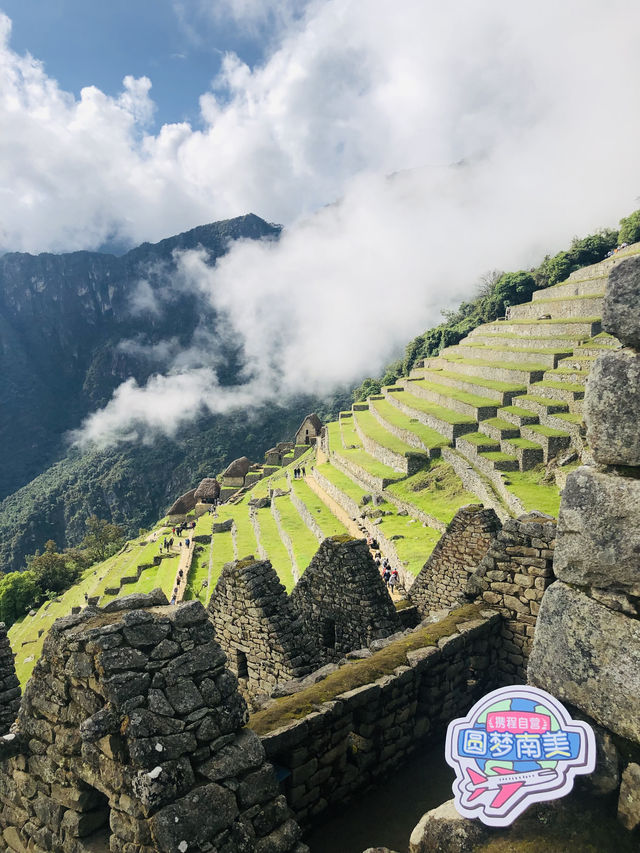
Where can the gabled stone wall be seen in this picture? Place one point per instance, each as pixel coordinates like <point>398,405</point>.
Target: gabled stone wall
<point>130,738</point>
<point>257,627</point>
<point>342,599</point>
<point>9,684</point>
<point>443,578</point>
<point>513,577</point>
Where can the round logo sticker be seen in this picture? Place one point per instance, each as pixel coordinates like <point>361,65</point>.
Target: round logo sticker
<point>517,746</point>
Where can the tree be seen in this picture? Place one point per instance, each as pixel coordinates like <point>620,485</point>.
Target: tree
<point>102,538</point>
<point>19,592</point>
<point>51,570</point>
<point>630,228</point>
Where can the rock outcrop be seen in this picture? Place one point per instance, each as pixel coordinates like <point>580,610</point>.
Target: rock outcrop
<point>130,735</point>
<point>587,644</point>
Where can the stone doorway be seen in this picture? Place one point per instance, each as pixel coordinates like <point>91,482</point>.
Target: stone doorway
<point>329,633</point>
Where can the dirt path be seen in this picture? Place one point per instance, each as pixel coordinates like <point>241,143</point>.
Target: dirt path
<point>186,556</point>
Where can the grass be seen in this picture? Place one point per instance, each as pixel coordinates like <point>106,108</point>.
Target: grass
<point>454,394</point>
<point>532,491</point>
<point>304,542</point>
<point>273,545</point>
<point>198,573</point>
<point>245,535</point>
<point>523,368</point>
<point>554,321</point>
<point>222,552</point>
<point>419,404</point>
<point>580,339</point>
<point>498,456</point>
<point>374,430</point>
<point>429,437</point>
<point>438,491</point>
<point>341,481</point>
<point>569,417</point>
<point>416,542</point>
<point>360,457</point>
<point>519,411</point>
<point>358,673</point>
<point>322,515</point>
<point>542,401</point>
<point>536,350</point>
<point>480,439</point>
<point>559,386</point>
<point>524,443</point>
<point>550,432</point>
<point>495,384</point>
<point>498,423</point>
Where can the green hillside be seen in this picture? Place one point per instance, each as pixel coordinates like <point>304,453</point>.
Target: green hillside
<point>486,420</point>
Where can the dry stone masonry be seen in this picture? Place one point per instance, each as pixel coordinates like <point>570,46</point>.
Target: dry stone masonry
<point>130,738</point>
<point>9,684</point>
<point>513,577</point>
<point>342,599</point>
<point>257,627</point>
<point>587,645</point>
<point>443,578</point>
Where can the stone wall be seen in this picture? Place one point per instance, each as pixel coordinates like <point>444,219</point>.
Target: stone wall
<point>443,578</point>
<point>342,599</point>
<point>9,684</point>
<point>361,735</point>
<point>130,738</point>
<point>587,645</point>
<point>513,577</point>
<point>257,627</point>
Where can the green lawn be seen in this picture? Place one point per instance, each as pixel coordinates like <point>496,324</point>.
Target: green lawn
<point>341,481</point>
<point>222,549</point>
<point>438,491</point>
<point>245,535</point>
<point>376,432</point>
<point>416,542</point>
<point>322,515</point>
<point>198,573</point>
<point>350,437</point>
<point>429,437</point>
<point>495,384</point>
<point>532,492</point>
<point>273,545</point>
<point>304,542</point>
<point>419,404</point>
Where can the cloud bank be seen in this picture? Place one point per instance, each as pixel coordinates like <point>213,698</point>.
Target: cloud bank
<point>358,102</point>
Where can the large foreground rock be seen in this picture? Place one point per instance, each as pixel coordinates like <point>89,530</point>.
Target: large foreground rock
<point>598,540</point>
<point>589,656</point>
<point>445,830</point>
<point>612,408</point>
<point>621,309</point>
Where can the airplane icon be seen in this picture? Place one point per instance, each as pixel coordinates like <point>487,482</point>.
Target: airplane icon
<point>506,782</point>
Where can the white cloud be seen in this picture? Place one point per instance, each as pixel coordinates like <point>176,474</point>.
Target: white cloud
<point>540,100</point>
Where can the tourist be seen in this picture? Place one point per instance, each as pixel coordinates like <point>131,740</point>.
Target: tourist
<point>186,541</point>
<point>304,472</point>
<point>393,580</point>
<point>386,575</point>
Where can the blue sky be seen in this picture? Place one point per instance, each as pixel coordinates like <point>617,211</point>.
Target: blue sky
<point>85,42</point>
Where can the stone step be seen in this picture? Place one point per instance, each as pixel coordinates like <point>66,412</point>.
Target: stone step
<point>566,421</point>
<point>487,461</point>
<point>558,343</point>
<point>500,392</point>
<point>588,351</point>
<point>587,307</point>
<point>489,370</point>
<point>565,391</point>
<point>518,415</point>
<point>404,431</point>
<point>472,405</point>
<point>575,287</point>
<point>392,452</point>
<point>497,428</point>
<point>553,441</point>
<point>508,355</point>
<point>541,405</point>
<point>478,482</point>
<point>543,328</point>
<point>604,267</point>
<point>528,453</point>
<point>445,421</point>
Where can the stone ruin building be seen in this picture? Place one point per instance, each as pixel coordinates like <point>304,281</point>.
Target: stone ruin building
<point>257,628</point>
<point>208,491</point>
<point>9,685</point>
<point>443,578</point>
<point>309,430</point>
<point>587,644</point>
<point>130,737</point>
<point>342,600</point>
<point>513,577</point>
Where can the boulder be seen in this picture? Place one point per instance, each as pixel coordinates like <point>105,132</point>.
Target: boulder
<point>598,541</point>
<point>621,308</point>
<point>445,830</point>
<point>223,526</point>
<point>589,656</point>
<point>612,408</point>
